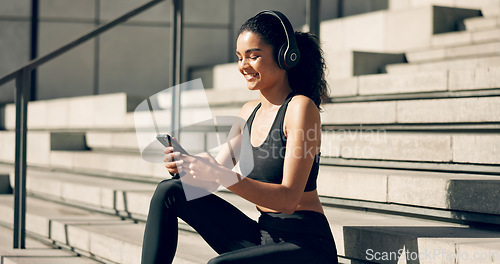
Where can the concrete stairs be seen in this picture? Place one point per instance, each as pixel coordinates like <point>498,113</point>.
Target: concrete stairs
<point>476,47</point>
<point>413,174</point>
<point>410,161</point>
<point>36,252</point>
<point>106,238</point>
<point>111,238</point>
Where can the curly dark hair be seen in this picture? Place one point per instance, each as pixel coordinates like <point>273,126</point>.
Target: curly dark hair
<point>308,77</point>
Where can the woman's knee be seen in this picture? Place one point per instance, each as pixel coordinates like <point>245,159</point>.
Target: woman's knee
<point>168,192</point>
<point>219,260</point>
<point>169,185</point>
<point>231,257</point>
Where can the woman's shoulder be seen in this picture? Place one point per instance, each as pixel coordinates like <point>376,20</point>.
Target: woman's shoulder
<point>248,108</point>
<point>302,103</point>
<point>301,110</point>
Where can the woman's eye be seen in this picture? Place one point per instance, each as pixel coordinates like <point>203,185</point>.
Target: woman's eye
<point>252,58</point>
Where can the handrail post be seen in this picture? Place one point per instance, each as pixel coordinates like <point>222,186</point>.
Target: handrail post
<point>22,97</point>
<point>312,16</point>
<point>35,17</point>
<point>176,64</point>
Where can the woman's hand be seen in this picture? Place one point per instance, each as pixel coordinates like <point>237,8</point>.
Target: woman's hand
<point>172,161</point>
<point>204,167</point>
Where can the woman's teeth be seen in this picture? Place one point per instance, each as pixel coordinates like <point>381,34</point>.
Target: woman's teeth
<point>249,76</point>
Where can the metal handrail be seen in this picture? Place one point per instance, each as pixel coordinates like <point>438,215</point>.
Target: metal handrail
<point>22,76</point>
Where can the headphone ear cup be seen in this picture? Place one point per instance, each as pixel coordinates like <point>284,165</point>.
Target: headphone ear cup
<point>292,58</point>
<point>282,57</point>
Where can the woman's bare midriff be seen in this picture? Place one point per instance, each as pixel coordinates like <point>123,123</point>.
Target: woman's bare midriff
<point>309,202</point>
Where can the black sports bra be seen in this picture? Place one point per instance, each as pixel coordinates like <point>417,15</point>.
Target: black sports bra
<point>268,158</point>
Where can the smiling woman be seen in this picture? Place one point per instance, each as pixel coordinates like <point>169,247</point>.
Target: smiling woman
<point>283,132</point>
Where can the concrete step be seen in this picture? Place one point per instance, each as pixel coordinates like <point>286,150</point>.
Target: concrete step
<point>451,191</point>
<point>199,98</point>
<point>411,81</point>
<point>387,228</point>
<point>112,140</point>
<point>97,113</point>
<point>37,153</point>
<point>448,65</point>
<point>114,196</point>
<point>358,234</point>
<point>399,84</point>
<point>109,163</point>
<point>479,4</point>
<point>378,233</point>
<point>451,110</point>
<point>122,156</point>
<point>104,194</point>
<point>431,111</point>
<point>41,144</point>
<point>455,79</point>
<point>355,143</point>
<point>352,143</point>
<point>229,103</point>
<point>142,121</point>
<point>36,252</point>
<point>220,77</point>
<point>86,112</point>
<point>492,9</point>
<point>386,30</point>
<point>227,96</point>
<point>348,63</point>
<point>455,192</point>
<point>482,23</point>
<point>439,54</point>
<point>195,141</point>
<point>105,237</point>
<point>462,38</point>
<point>460,148</point>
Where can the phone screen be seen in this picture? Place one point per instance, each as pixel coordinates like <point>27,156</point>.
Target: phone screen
<point>167,141</point>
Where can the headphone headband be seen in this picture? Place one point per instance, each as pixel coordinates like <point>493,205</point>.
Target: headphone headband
<point>289,54</point>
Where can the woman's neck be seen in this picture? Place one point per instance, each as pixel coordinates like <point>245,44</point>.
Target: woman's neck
<point>270,98</point>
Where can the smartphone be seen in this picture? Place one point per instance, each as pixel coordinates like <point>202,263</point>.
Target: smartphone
<point>167,141</point>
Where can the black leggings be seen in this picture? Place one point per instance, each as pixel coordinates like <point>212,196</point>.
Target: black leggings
<point>236,237</point>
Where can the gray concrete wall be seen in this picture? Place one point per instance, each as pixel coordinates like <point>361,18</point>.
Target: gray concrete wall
<point>133,57</point>
<point>14,40</point>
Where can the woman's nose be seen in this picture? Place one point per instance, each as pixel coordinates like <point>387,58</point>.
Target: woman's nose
<point>243,64</point>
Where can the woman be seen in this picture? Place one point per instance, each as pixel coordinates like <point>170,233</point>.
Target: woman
<point>292,227</point>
